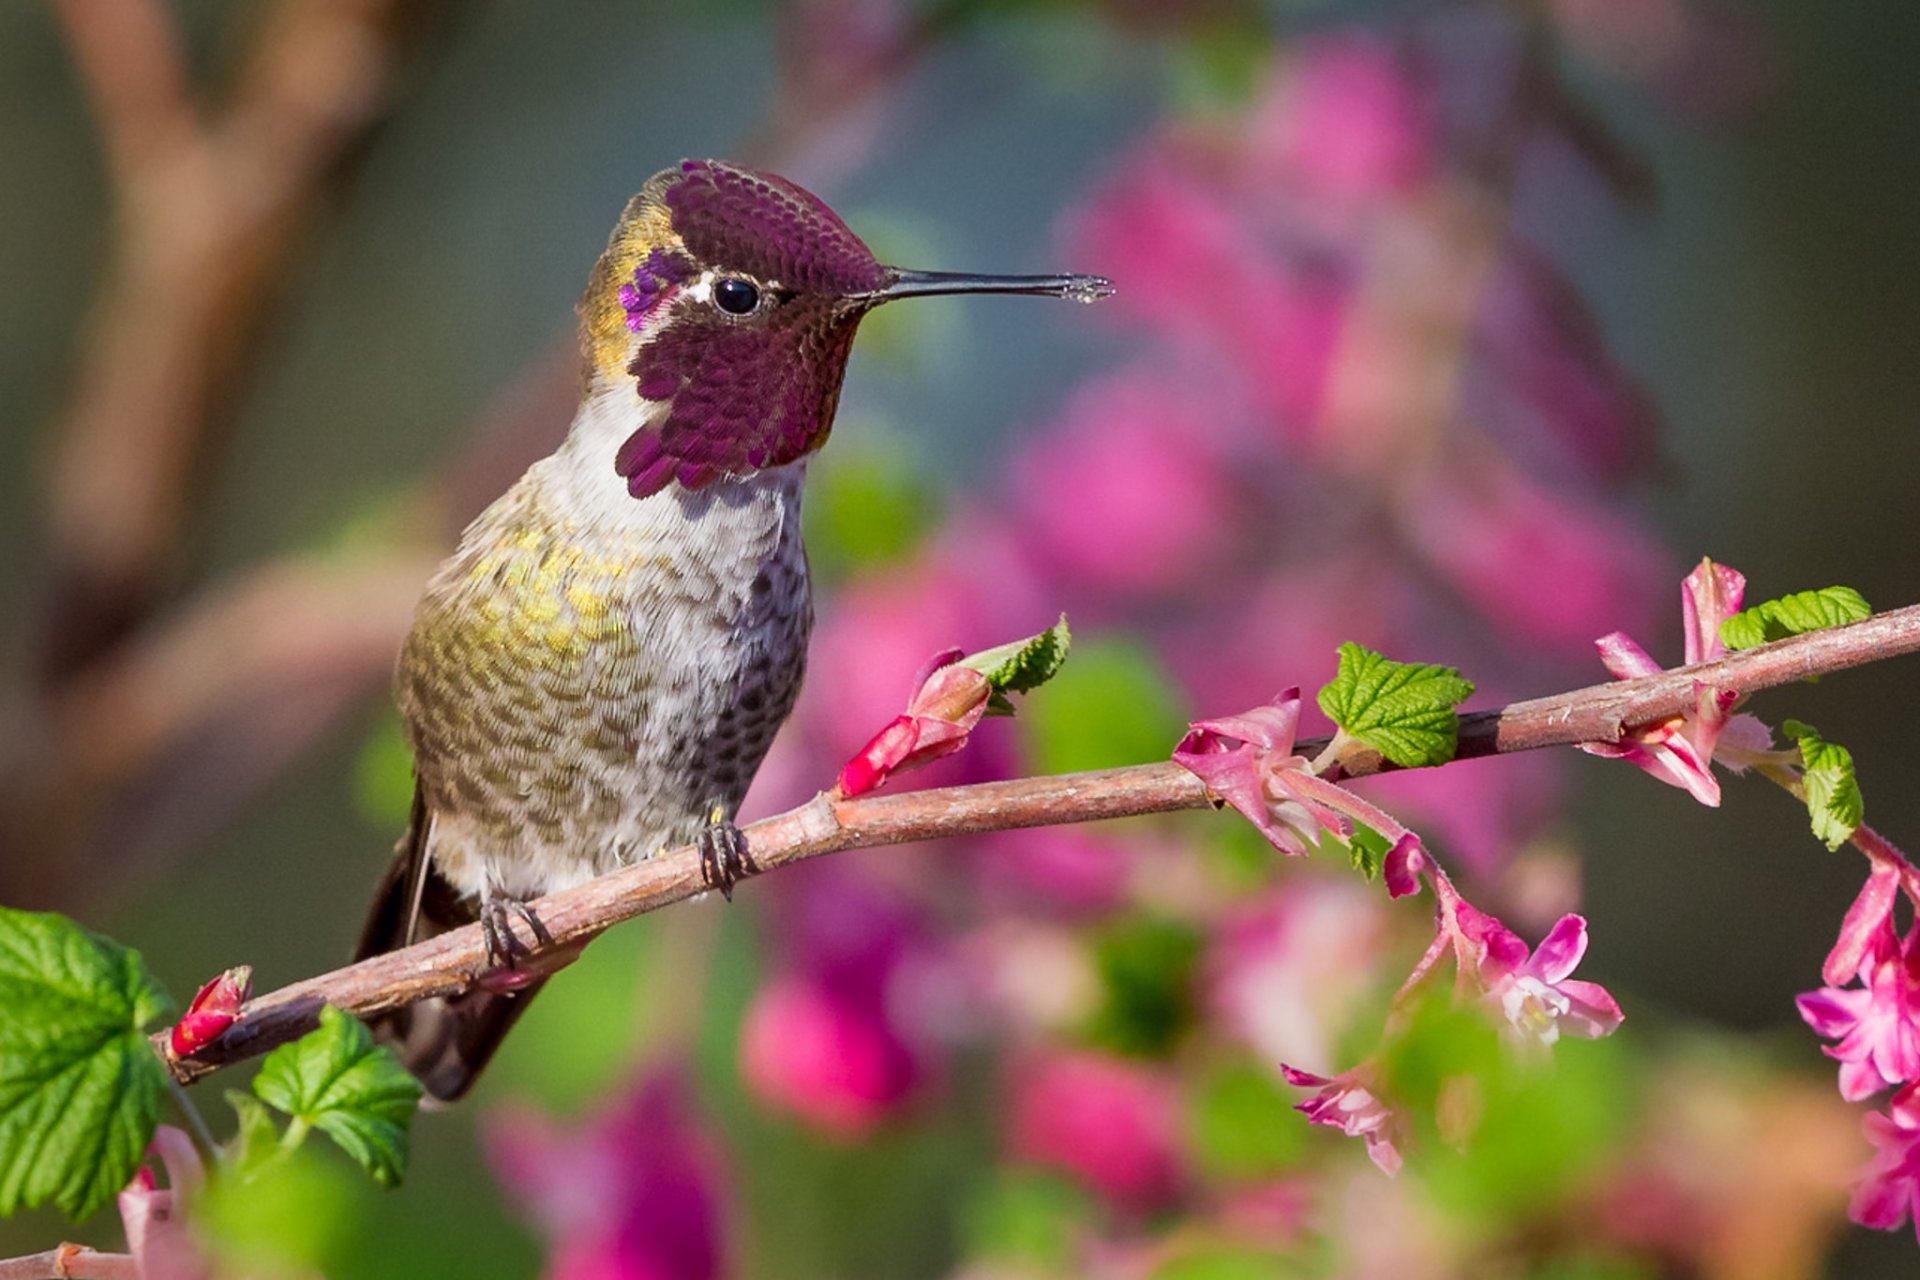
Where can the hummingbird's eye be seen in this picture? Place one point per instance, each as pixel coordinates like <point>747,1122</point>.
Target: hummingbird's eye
<point>736,297</point>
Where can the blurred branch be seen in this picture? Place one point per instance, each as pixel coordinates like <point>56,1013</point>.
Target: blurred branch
<point>71,1262</point>
<point>452,962</point>
<point>210,213</point>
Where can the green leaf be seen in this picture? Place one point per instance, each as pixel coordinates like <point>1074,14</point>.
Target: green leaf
<point>256,1140</point>
<point>1403,710</point>
<point>1023,664</point>
<point>79,1084</point>
<point>1793,615</point>
<point>1834,802</point>
<point>336,1080</point>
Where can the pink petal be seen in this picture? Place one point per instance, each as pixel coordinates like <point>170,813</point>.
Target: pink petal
<point>882,754</point>
<point>1865,921</point>
<point>1559,953</point>
<point>1710,595</point>
<point>1271,727</point>
<point>1401,870</point>
<point>1831,1011</point>
<point>1624,659</point>
<point>1592,1011</point>
<point>1859,1080</point>
<point>1743,736</point>
<point>1302,1079</point>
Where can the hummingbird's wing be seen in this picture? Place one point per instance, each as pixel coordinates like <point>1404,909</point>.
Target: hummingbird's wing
<point>444,1042</point>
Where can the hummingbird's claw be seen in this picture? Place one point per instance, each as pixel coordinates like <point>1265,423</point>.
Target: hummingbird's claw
<point>724,860</point>
<point>504,950</point>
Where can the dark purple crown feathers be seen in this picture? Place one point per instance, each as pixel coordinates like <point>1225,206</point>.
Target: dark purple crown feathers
<point>742,395</point>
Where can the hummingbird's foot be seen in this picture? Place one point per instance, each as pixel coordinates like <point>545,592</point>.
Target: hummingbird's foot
<point>504,950</point>
<point>724,860</point>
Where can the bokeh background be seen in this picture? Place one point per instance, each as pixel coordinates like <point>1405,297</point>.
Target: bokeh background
<point>1461,329</point>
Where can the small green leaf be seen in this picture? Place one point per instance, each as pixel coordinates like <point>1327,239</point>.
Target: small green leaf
<point>336,1080</point>
<point>1403,710</point>
<point>1834,802</point>
<point>1023,664</point>
<point>256,1140</point>
<point>80,1086</point>
<point>1793,615</point>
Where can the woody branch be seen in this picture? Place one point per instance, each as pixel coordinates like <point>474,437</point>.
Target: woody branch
<point>453,961</point>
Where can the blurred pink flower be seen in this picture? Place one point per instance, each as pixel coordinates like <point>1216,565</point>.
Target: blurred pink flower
<point>829,1038</point>
<point>1058,869</point>
<point>1680,750</point>
<point>1283,973</point>
<point>1127,492</point>
<point>1346,1103</point>
<point>1546,568</point>
<point>1888,1193</point>
<point>1114,1124</point>
<point>1876,1024</point>
<point>1534,992</point>
<point>634,1193</point>
<point>831,1062</point>
<point>156,1220</point>
<point>1344,123</point>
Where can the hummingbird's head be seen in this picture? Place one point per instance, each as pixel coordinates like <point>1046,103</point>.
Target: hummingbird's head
<point>728,300</point>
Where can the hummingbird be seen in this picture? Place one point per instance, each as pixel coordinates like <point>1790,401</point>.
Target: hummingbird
<point>597,671</point>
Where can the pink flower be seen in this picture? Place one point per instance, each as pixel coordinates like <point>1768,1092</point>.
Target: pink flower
<point>1680,750</point>
<point>948,701</point>
<point>211,1011</point>
<point>1533,992</point>
<point>1544,565</point>
<point>158,1227</point>
<point>1888,1193</point>
<point>1284,972</point>
<point>1248,761</point>
<point>1123,494</point>
<point>1347,1104</point>
<point>1877,1023</point>
<point>828,1061</point>
<point>830,1037</point>
<point>631,1194</point>
<point>1347,124</point>
<point>1113,1124</point>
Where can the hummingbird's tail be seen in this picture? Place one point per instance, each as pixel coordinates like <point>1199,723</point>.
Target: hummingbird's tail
<point>444,1041</point>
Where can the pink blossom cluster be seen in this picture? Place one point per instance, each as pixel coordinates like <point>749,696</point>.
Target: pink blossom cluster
<point>1870,1008</point>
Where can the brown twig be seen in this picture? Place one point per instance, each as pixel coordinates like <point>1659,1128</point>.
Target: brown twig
<point>451,962</point>
<point>70,1262</point>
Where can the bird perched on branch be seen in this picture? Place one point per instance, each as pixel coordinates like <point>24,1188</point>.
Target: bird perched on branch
<point>598,670</point>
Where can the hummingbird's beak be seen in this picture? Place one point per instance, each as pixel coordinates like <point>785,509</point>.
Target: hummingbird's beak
<point>925,284</point>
